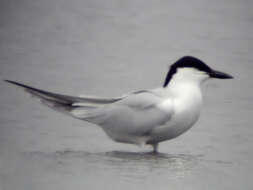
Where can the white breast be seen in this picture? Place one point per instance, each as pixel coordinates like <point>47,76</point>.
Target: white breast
<point>186,102</point>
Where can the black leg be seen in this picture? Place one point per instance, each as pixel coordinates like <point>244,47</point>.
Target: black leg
<point>155,148</point>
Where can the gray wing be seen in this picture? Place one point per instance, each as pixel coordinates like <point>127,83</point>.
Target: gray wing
<point>136,114</point>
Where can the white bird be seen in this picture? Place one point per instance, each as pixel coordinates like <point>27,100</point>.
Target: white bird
<point>145,116</point>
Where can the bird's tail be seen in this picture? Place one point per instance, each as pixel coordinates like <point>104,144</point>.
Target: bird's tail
<point>66,104</point>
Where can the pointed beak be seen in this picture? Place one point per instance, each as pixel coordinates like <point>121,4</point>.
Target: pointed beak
<point>219,75</point>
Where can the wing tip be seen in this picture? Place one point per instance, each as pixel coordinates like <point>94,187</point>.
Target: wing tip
<point>9,81</point>
<point>16,83</point>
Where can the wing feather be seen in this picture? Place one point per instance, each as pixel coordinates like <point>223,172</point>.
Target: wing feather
<point>65,103</point>
<point>136,114</point>
<point>65,99</point>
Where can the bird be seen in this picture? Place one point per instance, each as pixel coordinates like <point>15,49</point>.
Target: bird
<point>143,117</point>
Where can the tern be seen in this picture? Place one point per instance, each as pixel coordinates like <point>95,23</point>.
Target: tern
<point>144,117</point>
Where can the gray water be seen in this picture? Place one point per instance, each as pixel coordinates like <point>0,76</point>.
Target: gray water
<point>108,48</point>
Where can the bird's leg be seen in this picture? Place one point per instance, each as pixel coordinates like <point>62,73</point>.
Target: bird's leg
<point>155,148</point>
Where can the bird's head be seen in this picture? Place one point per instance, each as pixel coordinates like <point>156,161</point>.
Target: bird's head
<point>191,69</point>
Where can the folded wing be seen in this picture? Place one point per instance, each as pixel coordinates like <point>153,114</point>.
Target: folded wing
<point>134,114</point>
<point>137,114</point>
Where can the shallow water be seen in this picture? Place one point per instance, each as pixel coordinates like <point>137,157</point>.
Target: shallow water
<point>107,49</point>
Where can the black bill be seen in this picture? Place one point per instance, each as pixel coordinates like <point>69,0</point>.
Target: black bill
<point>219,75</point>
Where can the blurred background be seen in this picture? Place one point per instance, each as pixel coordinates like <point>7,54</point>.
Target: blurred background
<point>107,48</point>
